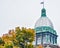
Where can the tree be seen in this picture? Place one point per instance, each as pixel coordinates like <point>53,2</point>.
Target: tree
<point>8,44</point>
<point>30,45</point>
<point>40,46</point>
<point>24,36</point>
<point>1,42</point>
<point>18,38</point>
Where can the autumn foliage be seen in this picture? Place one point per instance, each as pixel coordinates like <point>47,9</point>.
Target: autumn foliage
<point>18,38</point>
<point>40,46</point>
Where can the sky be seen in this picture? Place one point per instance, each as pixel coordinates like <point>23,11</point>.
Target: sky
<point>24,13</point>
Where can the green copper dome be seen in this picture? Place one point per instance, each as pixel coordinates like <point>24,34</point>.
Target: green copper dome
<point>44,24</point>
<point>43,20</point>
<point>45,29</point>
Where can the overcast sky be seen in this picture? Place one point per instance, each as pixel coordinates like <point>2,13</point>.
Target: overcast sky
<point>24,13</point>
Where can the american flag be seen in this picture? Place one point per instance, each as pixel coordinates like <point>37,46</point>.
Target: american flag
<point>42,2</point>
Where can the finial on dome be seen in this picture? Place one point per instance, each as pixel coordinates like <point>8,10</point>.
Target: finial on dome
<point>42,3</point>
<point>43,11</point>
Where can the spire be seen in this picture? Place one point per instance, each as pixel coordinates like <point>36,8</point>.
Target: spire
<point>43,11</point>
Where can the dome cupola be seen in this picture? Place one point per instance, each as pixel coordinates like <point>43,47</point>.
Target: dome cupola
<point>44,23</point>
<point>43,20</point>
<point>43,12</point>
<point>45,33</point>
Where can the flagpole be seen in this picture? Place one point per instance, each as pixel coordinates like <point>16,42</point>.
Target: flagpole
<point>43,3</point>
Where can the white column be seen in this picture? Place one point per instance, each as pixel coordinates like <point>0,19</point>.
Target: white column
<point>47,39</point>
<point>39,40</point>
<point>44,39</point>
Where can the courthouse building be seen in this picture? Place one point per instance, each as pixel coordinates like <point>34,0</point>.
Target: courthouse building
<point>45,32</point>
